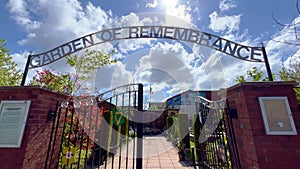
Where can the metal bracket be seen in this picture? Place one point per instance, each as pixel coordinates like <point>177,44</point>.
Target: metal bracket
<point>233,114</point>
<point>51,115</point>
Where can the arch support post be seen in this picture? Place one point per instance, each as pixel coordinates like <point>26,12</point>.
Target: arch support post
<point>270,77</point>
<point>26,70</point>
<point>140,126</point>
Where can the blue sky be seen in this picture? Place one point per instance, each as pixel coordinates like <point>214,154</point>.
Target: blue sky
<point>170,67</point>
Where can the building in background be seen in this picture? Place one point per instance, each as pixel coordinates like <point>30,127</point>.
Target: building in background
<point>185,103</point>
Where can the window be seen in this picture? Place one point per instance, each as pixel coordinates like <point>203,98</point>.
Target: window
<point>13,117</point>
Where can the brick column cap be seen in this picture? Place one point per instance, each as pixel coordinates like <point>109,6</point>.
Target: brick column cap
<point>262,84</point>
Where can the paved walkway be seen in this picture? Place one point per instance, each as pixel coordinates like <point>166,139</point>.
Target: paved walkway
<point>158,153</point>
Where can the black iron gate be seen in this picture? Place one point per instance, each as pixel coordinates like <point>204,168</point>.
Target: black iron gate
<point>98,132</point>
<point>217,142</point>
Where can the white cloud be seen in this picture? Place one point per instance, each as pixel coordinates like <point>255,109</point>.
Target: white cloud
<point>57,21</point>
<point>177,13</point>
<point>20,59</point>
<point>222,23</point>
<point>226,5</point>
<point>279,51</point>
<point>281,39</point>
<point>153,4</point>
<point>21,15</point>
<point>121,76</point>
<point>130,45</point>
<point>165,66</point>
<point>29,37</point>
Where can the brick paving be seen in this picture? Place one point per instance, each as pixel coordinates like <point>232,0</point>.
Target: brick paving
<point>158,153</point>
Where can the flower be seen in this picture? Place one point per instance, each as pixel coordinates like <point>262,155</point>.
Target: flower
<point>68,155</point>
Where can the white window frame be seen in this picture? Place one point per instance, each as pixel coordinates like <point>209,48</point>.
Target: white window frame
<point>25,105</point>
<point>265,119</point>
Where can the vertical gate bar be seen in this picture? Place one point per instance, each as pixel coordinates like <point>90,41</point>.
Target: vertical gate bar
<point>56,129</point>
<point>94,143</point>
<point>100,142</point>
<point>139,162</point>
<point>104,142</point>
<point>127,143</point>
<point>92,162</point>
<point>71,125</point>
<point>221,140</point>
<point>108,145</point>
<point>206,144</point>
<point>50,140</point>
<point>212,144</point>
<point>112,161</point>
<point>81,137</point>
<point>77,125</point>
<point>204,153</point>
<point>199,155</point>
<point>62,136</point>
<point>204,118</point>
<point>135,131</point>
<point>216,139</point>
<point>210,140</point>
<point>96,129</point>
<point>128,136</point>
<point>133,146</point>
<point>227,147</point>
<point>193,156</point>
<point>114,133</point>
<point>88,135</point>
<point>197,124</point>
<point>120,153</point>
<point>232,137</point>
<point>121,139</point>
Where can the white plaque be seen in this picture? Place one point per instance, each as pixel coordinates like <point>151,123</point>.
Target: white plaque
<point>13,117</point>
<point>277,116</point>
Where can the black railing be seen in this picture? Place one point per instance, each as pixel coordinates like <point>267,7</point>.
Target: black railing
<point>213,137</point>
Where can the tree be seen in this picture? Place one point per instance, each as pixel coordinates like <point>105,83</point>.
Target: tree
<point>292,74</point>
<point>255,74</point>
<point>9,75</point>
<point>285,74</point>
<point>292,71</point>
<point>83,69</point>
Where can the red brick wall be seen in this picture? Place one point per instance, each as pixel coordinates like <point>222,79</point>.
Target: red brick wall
<point>256,149</point>
<point>33,150</point>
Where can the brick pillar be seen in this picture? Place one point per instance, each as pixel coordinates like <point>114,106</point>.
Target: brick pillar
<point>256,149</point>
<point>34,146</point>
